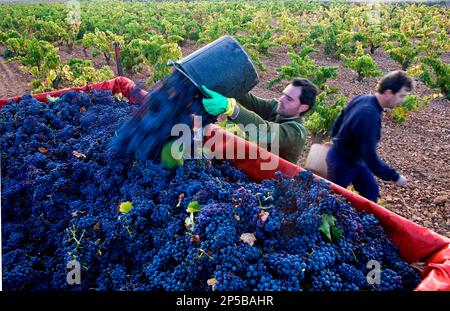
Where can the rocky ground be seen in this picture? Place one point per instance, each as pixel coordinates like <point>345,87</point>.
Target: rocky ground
<point>419,148</point>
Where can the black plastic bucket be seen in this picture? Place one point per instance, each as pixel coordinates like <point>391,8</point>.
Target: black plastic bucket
<point>223,66</point>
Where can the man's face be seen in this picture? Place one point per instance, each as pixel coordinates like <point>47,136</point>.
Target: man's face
<point>289,103</point>
<point>394,100</point>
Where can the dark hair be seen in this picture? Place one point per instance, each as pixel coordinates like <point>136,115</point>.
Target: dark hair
<point>394,81</point>
<point>308,93</point>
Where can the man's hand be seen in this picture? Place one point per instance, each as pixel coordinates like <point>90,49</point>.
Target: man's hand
<point>401,181</point>
<point>218,103</point>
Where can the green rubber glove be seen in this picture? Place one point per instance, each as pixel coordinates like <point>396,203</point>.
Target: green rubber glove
<point>218,103</point>
<point>171,159</point>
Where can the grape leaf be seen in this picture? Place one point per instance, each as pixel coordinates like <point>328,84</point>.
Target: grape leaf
<point>336,233</point>
<point>193,207</point>
<point>325,229</point>
<point>327,223</point>
<point>125,207</point>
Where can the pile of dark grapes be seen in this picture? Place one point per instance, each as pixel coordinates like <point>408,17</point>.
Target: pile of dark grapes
<point>62,189</point>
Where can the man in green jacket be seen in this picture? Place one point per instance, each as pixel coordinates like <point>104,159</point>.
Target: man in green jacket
<point>284,114</point>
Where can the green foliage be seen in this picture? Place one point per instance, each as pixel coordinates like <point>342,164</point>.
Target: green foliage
<point>156,53</point>
<point>125,207</point>
<point>329,228</point>
<point>362,63</point>
<point>6,22</point>
<point>192,29</point>
<point>260,43</point>
<point>258,37</point>
<point>304,66</point>
<point>8,35</point>
<point>436,75</point>
<point>78,72</point>
<point>345,42</point>
<point>330,41</point>
<point>256,45</point>
<point>403,52</point>
<point>35,53</point>
<point>101,42</point>
<point>49,31</point>
<point>329,37</point>
<point>433,44</point>
<point>411,103</point>
<point>132,56</point>
<point>194,207</point>
<point>320,120</point>
<point>14,47</point>
<point>132,30</point>
<point>41,60</point>
<point>256,59</point>
<point>374,37</point>
<point>13,43</point>
<point>215,27</point>
<point>401,112</point>
<point>294,30</point>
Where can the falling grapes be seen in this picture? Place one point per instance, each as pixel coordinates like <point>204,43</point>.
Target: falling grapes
<point>171,102</point>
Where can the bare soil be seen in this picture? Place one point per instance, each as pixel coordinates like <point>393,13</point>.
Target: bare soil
<point>13,81</point>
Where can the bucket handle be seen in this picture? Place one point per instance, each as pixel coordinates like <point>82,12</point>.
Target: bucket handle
<point>179,69</point>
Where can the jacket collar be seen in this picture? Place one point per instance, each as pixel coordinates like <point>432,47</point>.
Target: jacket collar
<point>377,104</point>
<point>281,119</point>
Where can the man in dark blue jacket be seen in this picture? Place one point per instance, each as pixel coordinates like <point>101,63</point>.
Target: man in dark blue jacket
<point>353,157</point>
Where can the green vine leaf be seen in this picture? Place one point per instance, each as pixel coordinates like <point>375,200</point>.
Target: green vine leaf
<point>329,229</point>
<point>125,207</point>
<point>193,207</point>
